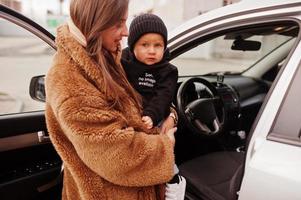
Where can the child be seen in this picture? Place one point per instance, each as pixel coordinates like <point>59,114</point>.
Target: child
<point>148,70</point>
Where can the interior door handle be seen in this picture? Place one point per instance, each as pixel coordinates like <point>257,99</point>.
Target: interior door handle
<point>43,137</point>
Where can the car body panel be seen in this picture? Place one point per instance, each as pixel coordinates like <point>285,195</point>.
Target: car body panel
<point>272,172</point>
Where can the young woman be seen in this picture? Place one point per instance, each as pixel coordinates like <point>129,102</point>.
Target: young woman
<point>94,115</point>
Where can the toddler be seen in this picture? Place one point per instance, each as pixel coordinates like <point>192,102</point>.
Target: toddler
<point>146,64</point>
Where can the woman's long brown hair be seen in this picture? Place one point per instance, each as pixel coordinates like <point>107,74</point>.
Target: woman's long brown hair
<point>92,17</point>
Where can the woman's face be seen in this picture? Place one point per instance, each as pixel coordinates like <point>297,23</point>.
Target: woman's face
<point>112,36</point>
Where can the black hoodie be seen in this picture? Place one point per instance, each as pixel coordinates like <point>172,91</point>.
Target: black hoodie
<point>156,84</point>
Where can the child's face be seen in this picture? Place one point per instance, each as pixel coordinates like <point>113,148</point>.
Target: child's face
<point>149,49</point>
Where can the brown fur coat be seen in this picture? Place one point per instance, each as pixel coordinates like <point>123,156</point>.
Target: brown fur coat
<point>105,153</point>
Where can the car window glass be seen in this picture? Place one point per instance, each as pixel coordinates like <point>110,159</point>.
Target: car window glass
<point>218,55</point>
<point>22,56</point>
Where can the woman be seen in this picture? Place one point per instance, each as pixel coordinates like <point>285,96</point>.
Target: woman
<point>94,116</point>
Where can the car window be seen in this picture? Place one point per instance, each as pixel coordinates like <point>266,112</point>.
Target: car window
<point>22,56</point>
<point>235,51</point>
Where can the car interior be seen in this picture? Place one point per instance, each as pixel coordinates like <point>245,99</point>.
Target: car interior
<point>224,81</point>
<point>217,108</point>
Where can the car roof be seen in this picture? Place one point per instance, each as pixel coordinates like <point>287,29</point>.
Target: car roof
<point>245,6</point>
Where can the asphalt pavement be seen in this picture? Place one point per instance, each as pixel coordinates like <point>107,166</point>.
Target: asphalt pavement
<point>21,58</point>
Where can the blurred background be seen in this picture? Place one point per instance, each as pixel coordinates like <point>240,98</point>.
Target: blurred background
<point>23,55</point>
<point>51,13</point>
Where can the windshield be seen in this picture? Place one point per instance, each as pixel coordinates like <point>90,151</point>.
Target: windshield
<point>234,52</point>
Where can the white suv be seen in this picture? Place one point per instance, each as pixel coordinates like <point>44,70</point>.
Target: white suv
<point>238,102</point>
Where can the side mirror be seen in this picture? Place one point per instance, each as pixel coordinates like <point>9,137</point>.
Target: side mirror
<point>245,45</point>
<point>37,88</point>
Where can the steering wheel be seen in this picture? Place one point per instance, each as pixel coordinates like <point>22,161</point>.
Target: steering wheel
<point>204,115</point>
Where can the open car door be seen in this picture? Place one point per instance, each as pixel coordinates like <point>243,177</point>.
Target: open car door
<point>29,163</point>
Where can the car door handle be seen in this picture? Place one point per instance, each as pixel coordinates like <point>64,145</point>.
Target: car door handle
<point>43,137</point>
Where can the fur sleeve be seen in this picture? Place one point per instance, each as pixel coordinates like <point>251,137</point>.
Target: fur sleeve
<point>110,148</point>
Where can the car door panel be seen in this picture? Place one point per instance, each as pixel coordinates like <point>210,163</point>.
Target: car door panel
<point>28,159</point>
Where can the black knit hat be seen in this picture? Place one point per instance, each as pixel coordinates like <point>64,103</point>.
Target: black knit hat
<point>146,23</point>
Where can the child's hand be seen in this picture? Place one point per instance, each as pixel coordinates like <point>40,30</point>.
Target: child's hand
<point>148,122</point>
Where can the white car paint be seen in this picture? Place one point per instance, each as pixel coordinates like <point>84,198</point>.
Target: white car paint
<point>273,172</point>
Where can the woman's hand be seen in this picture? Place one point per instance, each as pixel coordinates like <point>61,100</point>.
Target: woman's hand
<point>171,134</point>
<point>168,123</point>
